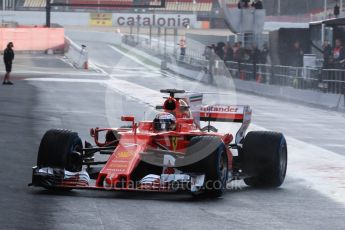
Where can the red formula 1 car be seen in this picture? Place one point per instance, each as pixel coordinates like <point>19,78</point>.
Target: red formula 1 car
<point>169,154</point>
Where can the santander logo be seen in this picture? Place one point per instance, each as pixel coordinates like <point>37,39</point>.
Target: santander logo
<point>220,109</point>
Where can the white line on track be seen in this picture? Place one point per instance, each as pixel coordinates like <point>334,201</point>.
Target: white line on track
<point>36,57</point>
<point>333,145</point>
<point>120,67</point>
<point>62,72</point>
<point>66,80</point>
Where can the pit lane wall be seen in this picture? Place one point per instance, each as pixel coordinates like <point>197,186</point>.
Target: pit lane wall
<point>28,38</point>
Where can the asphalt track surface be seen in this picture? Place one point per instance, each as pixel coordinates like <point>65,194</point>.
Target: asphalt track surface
<point>58,96</point>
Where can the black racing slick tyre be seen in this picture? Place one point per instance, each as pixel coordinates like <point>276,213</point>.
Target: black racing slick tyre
<point>209,153</point>
<point>264,159</point>
<point>59,149</point>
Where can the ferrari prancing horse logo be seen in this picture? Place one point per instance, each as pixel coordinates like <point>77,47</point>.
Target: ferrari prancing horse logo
<point>174,141</point>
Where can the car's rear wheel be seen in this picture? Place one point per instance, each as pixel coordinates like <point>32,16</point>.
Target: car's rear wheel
<point>59,149</point>
<point>264,159</point>
<point>207,155</point>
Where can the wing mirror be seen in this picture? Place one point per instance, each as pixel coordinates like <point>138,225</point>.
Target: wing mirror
<point>131,119</point>
<point>127,118</point>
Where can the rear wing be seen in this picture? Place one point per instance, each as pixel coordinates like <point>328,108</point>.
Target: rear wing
<point>228,113</point>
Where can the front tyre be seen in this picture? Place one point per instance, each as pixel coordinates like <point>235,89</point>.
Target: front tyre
<point>59,149</point>
<point>216,172</point>
<point>207,155</point>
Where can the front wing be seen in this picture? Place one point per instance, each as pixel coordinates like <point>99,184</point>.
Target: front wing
<point>53,178</point>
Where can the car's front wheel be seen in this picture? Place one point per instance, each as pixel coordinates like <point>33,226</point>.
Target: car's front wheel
<point>207,155</point>
<point>59,149</point>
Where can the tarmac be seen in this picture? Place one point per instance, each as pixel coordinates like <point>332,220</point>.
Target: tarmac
<point>49,93</point>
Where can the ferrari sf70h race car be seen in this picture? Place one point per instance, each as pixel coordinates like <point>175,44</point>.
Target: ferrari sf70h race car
<point>169,154</point>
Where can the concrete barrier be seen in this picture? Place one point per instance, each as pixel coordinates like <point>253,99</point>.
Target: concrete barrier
<point>32,38</point>
<point>328,100</point>
<point>77,54</point>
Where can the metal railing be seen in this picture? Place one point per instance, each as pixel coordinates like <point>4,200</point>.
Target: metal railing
<point>333,81</point>
<point>323,80</point>
<point>297,77</point>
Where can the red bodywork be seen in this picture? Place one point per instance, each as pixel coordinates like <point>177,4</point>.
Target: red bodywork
<point>136,141</point>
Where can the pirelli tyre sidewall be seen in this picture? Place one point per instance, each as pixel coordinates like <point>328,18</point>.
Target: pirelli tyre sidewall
<point>59,149</point>
<point>264,158</point>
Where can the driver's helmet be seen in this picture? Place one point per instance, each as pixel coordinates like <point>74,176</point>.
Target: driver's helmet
<point>164,122</point>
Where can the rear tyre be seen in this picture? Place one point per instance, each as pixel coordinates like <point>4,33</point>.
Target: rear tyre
<point>210,158</point>
<point>59,149</point>
<point>264,159</point>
